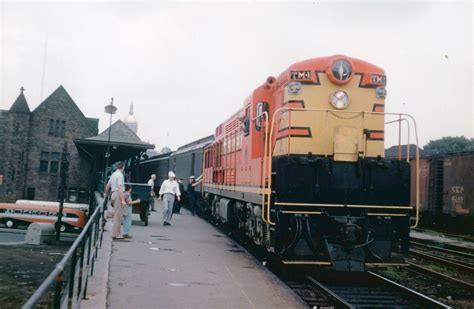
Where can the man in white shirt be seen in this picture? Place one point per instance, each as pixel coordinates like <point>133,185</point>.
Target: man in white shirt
<point>168,191</point>
<point>151,183</point>
<point>116,186</point>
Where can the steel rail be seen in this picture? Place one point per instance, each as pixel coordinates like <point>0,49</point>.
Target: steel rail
<point>339,301</point>
<point>392,292</point>
<point>437,275</point>
<point>427,301</point>
<point>456,264</point>
<point>444,250</point>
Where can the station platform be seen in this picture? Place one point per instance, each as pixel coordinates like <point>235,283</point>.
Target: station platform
<point>189,264</point>
<point>442,239</point>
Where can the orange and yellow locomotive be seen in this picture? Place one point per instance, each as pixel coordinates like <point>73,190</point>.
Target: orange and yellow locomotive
<point>301,168</point>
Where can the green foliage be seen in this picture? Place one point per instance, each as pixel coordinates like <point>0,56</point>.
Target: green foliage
<point>449,144</point>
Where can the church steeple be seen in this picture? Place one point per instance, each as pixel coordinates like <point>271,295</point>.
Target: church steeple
<point>20,105</point>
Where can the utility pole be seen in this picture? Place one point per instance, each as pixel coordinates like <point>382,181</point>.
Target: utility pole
<point>62,188</point>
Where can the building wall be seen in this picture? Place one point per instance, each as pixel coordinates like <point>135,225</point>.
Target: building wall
<point>33,138</point>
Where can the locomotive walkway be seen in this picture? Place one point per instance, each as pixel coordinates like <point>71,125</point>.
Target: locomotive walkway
<point>187,265</point>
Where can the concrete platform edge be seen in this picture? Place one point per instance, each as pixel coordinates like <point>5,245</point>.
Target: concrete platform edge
<point>98,285</point>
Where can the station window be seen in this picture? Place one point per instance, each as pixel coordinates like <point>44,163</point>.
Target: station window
<point>44,161</point>
<point>54,167</point>
<point>62,131</point>
<point>51,127</point>
<point>30,193</point>
<point>57,128</point>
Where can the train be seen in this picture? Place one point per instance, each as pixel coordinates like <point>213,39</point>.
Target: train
<point>300,168</point>
<point>447,192</point>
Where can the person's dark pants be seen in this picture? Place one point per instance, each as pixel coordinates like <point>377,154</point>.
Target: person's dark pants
<point>177,206</point>
<point>192,205</point>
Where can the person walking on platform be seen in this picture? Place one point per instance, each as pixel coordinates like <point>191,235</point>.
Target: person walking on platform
<point>178,204</point>
<point>168,191</point>
<point>115,185</point>
<point>193,182</point>
<point>127,221</point>
<point>151,183</point>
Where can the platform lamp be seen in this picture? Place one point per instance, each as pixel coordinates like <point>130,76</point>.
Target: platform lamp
<point>109,109</point>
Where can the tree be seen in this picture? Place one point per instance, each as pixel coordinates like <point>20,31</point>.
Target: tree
<point>449,144</point>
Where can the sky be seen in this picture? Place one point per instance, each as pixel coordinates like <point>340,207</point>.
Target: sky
<point>187,66</point>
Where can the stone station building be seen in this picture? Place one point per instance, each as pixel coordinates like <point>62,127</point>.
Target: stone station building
<point>31,144</point>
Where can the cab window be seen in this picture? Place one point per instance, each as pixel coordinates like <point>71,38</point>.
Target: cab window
<point>261,107</point>
<point>247,121</point>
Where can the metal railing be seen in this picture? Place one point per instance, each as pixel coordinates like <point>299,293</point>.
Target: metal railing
<point>77,265</point>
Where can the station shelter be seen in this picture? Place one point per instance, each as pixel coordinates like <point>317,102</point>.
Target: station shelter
<point>122,144</point>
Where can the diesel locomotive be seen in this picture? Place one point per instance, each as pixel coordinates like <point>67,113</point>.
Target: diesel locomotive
<point>301,169</point>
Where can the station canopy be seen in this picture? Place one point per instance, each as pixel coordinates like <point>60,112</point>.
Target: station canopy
<point>124,144</point>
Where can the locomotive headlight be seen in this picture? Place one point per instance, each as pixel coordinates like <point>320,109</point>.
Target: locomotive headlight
<point>380,92</point>
<point>340,99</point>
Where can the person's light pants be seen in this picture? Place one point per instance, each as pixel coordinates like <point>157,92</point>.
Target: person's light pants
<point>168,201</point>
<point>127,221</point>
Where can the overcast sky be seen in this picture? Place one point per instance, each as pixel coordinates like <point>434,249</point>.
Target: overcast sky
<point>188,66</point>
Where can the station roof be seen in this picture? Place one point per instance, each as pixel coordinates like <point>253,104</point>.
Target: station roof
<point>124,143</point>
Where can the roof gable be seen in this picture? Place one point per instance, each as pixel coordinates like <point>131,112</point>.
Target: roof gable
<point>60,94</point>
<point>20,105</point>
<point>120,133</point>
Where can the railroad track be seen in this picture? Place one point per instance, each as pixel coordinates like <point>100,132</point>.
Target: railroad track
<point>458,254</point>
<point>359,290</point>
<point>456,249</point>
<point>454,266</point>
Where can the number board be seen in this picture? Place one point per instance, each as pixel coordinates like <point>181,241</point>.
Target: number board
<point>378,79</point>
<point>301,75</point>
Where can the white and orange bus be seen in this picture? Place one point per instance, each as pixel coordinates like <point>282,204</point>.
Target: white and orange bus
<point>13,215</point>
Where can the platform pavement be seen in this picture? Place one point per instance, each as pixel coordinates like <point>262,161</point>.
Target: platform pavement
<point>187,265</point>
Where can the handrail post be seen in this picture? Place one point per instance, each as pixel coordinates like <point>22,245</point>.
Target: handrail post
<point>58,289</point>
<point>81,266</point>
<point>72,274</point>
<point>88,263</point>
<point>266,141</point>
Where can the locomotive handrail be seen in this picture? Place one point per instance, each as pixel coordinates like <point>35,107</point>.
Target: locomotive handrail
<point>408,134</point>
<point>268,168</point>
<point>264,180</point>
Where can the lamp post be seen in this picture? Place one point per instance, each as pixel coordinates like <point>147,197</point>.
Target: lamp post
<point>109,109</point>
